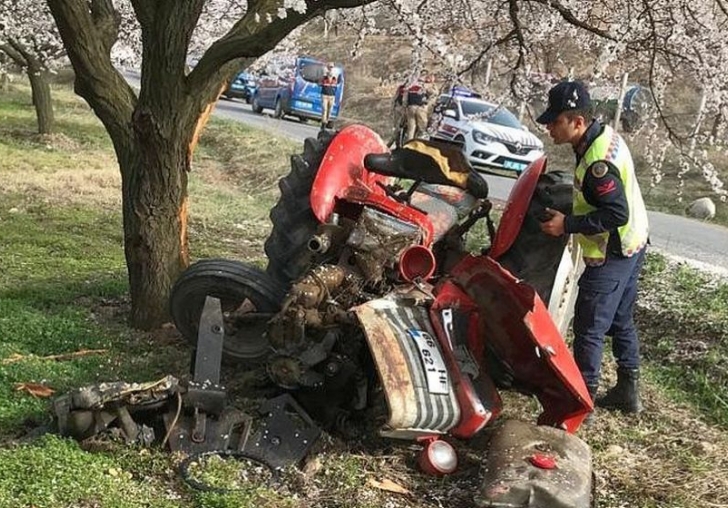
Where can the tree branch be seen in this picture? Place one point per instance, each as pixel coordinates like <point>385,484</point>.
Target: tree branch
<point>107,21</point>
<point>14,54</point>
<point>253,36</point>
<point>573,20</point>
<point>97,81</point>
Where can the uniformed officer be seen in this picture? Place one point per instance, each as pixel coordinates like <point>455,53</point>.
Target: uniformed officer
<point>329,82</point>
<point>416,98</point>
<point>609,220</point>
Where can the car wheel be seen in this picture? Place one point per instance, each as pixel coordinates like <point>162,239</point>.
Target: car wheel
<point>278,113</point>
<point>256,106</point>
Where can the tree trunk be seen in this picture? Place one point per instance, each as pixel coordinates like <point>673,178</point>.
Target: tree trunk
<point>155,203</point>
<point>41,90</point>
<point>154,134</point>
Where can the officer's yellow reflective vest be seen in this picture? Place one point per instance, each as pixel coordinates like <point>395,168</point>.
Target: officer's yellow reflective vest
<point>609,146</point>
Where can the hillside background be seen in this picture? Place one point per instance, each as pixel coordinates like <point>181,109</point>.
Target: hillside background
<point>383,61</point>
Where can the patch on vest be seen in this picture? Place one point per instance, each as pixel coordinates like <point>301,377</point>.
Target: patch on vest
<point>599,169</point>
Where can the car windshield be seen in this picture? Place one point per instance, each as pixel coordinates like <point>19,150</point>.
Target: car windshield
<point>246,78</point>
<point>314,71</point>
<point>477,110</point>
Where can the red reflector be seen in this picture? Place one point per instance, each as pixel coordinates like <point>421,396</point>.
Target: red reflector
<point>542,461</point>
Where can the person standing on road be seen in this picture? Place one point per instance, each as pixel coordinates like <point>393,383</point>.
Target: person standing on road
<point>399,117</point>
<point>609,220</point>
<point>416,97</point>
<point>329,83</point>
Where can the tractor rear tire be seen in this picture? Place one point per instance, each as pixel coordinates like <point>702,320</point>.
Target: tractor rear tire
<point>293,220</point>
<point>234,283</point>
<point>535,256</point>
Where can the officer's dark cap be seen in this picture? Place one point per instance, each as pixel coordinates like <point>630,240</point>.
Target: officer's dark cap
<point>565,96</point>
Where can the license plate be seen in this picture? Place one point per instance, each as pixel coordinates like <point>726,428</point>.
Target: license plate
<point>513,165</point>
<point>432,362</point>
<point>303,105</point>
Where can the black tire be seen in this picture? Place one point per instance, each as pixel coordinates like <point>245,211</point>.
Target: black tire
<point>293,220</point>
<point>535,256</point>
<point>278,111</point>
<point>233,283</point>
<point>255,106</point>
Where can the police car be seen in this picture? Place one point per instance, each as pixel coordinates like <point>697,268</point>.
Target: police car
<point>491,136</point>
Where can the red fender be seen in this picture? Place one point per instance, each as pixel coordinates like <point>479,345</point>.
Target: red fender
<point>343,167</point>
<point>515,211</point>
<point>517,326</point>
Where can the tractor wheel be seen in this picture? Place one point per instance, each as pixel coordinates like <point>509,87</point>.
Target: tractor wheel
<point>248,296</point>
<point>535,256</point>
<point>293,220</point>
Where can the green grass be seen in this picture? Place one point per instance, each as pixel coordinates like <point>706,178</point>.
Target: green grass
<point>683,317</point>
<point>63,288</point>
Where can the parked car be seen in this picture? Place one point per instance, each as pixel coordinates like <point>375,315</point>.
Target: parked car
<point>295,90</point>
<point>491,136</point>
<point>242,87</point>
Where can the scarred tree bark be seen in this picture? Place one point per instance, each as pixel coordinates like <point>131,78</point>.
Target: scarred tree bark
<point>154,134</point>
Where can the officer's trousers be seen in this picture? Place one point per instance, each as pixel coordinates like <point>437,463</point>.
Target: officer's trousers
<point>416,121</point>
<point>327,105</point>
<point>604,306</point>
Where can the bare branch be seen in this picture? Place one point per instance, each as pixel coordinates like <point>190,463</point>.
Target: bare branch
<point>97,80</point>
<point>14,54</point>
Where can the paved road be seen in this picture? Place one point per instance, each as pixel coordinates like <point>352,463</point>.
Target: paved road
<point>699,243</point>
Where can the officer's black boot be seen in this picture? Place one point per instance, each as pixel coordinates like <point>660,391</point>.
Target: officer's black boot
<point>625,395</point>
<point>593,394</point>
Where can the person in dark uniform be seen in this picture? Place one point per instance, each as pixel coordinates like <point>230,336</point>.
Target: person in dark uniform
<point>609,220</point>
<point>416,98</point>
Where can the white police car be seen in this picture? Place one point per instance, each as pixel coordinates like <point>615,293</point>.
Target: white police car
<point>491,136</point>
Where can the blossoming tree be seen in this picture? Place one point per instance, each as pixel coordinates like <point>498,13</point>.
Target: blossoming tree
<point>28,36</point>
<point>155,130</point>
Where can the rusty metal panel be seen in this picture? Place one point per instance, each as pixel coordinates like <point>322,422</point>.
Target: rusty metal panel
<point>532,466</point>
<point>415,407</point>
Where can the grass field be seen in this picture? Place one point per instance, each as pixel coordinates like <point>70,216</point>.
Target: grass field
<point>63,289</point>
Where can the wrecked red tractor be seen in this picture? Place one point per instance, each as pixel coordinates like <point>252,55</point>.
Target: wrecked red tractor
<point>373,314</point>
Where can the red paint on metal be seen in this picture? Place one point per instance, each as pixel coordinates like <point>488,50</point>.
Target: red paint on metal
<point>343,167</point>
<point>517,326</point>
<point>516,208</point>
<point>542,461</point>
<point>417,262</point>
<point>480,405</point>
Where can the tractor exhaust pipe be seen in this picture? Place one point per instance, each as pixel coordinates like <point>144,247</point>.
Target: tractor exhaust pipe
<point>319,243</point>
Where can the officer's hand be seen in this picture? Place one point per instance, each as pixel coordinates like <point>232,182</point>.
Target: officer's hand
<point>554,225</point>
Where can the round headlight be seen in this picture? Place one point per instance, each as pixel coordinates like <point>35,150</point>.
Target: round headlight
<point>438,458</point>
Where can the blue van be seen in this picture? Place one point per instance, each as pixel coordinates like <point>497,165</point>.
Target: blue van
<point>296,91</point>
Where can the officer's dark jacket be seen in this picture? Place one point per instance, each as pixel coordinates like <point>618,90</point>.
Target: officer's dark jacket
<point>416,95</point>
<point>328,85</point>
<point>605,193</point>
